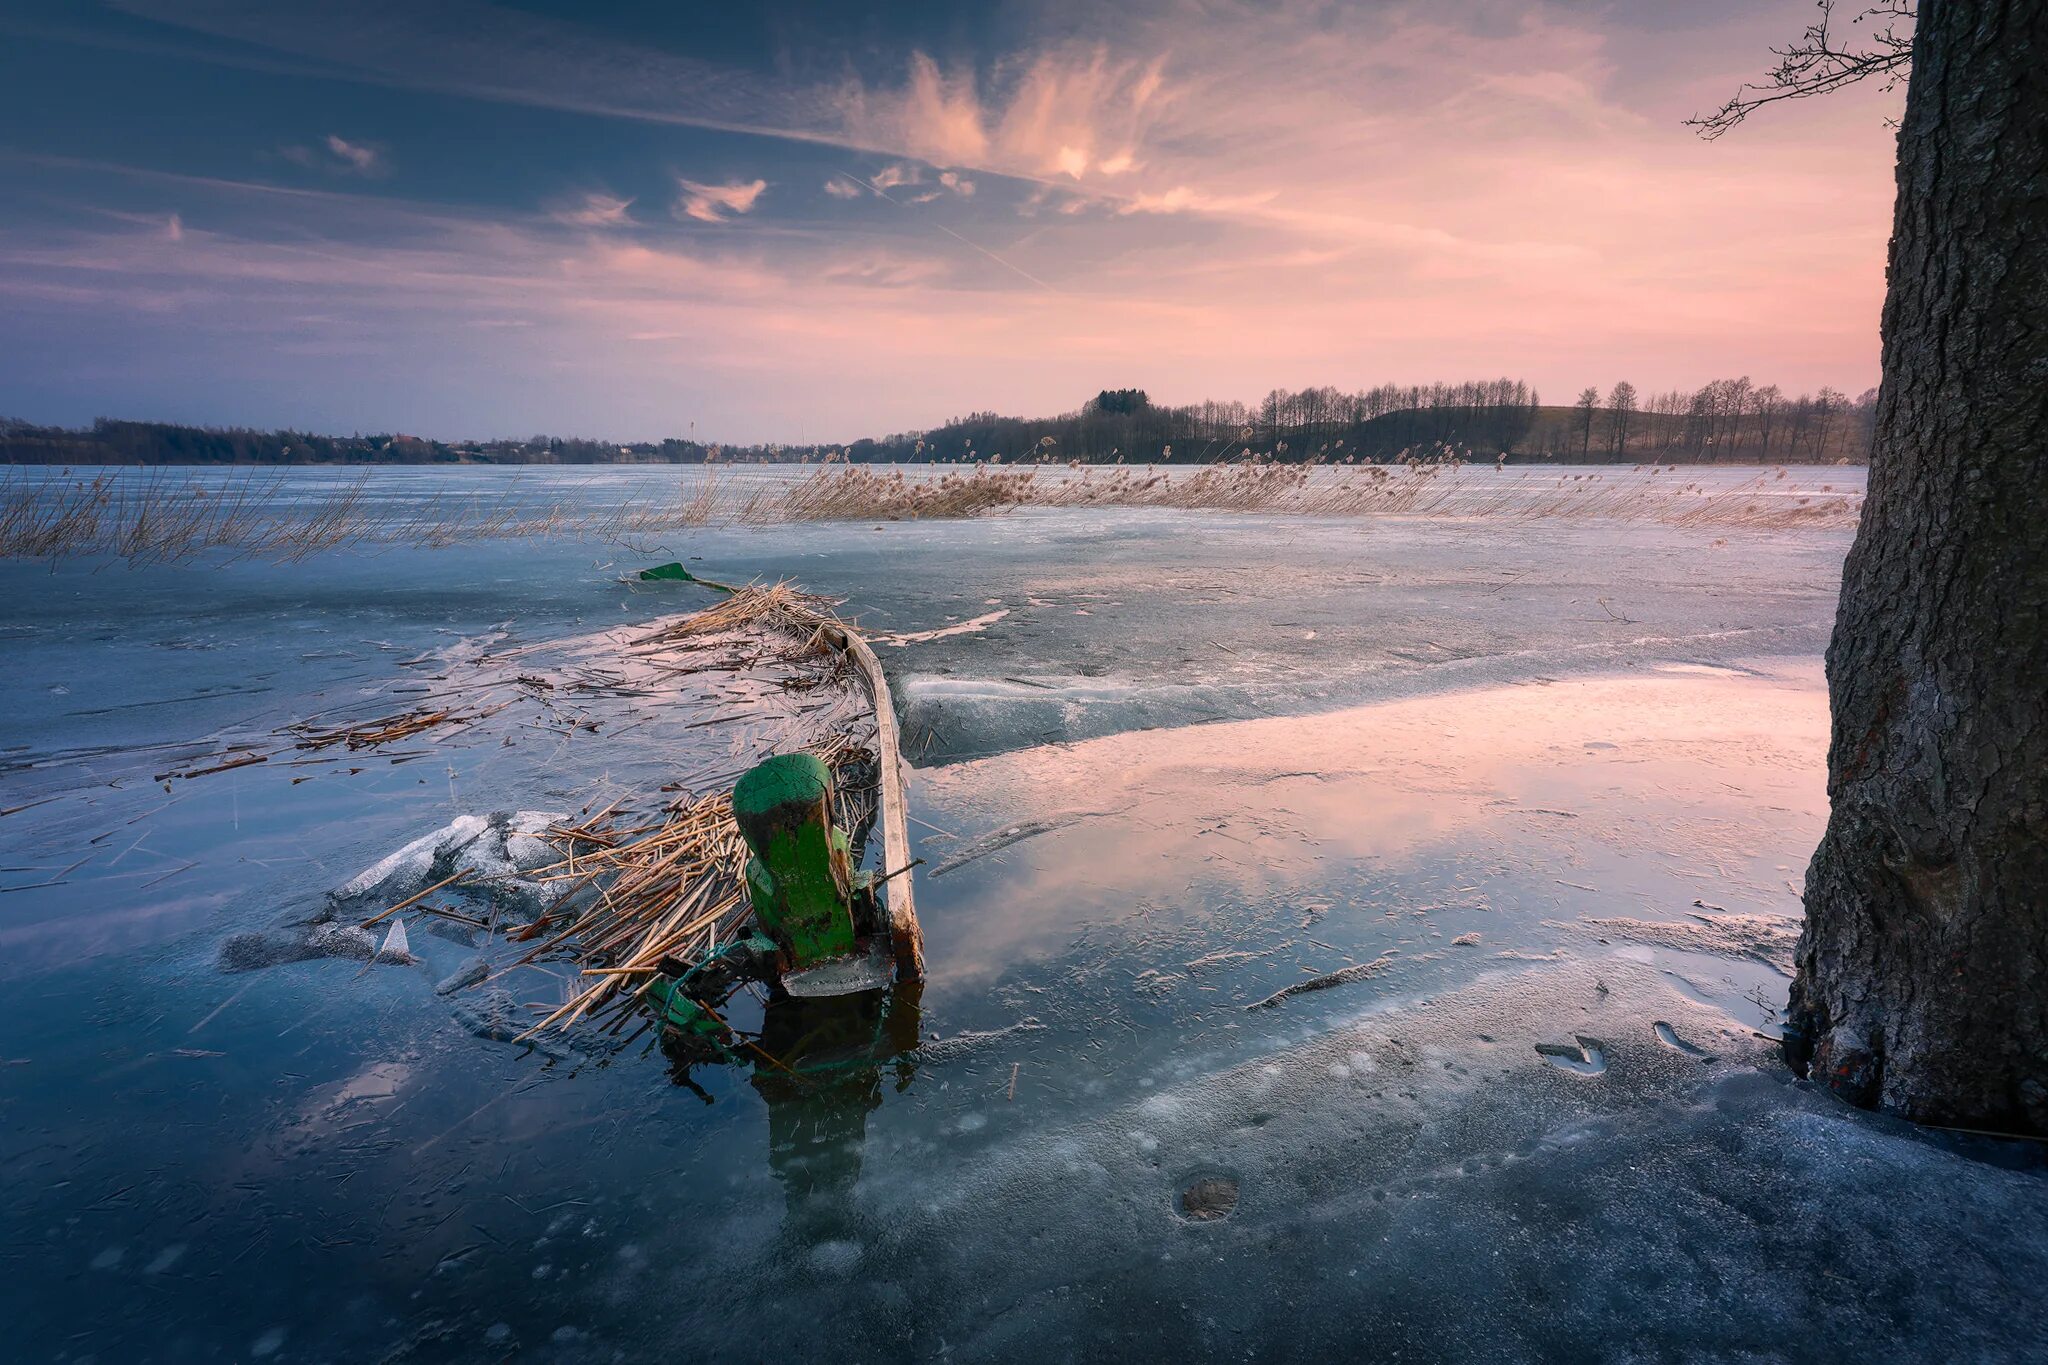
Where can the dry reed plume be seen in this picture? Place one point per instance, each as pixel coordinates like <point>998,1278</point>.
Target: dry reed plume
<point>163,517</point>
<point>648,878</point>
<point>633,896</point>
<point>858,493</point>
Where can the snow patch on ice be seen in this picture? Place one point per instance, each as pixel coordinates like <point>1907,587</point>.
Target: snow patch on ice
<point>1768,939</point>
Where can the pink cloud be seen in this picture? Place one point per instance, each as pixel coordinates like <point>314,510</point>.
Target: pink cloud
<point>596,210</point>
<point>1224,199</point>
<point>716,203</point>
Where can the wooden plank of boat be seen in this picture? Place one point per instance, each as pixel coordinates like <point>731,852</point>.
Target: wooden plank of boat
<point>906,938</point>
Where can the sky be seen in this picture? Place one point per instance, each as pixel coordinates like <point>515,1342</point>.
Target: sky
<point>804,223</point>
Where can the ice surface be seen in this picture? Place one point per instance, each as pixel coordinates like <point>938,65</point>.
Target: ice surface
<point>1554,783</point>
<point>1767,939</point>
<point>1454,1196</point>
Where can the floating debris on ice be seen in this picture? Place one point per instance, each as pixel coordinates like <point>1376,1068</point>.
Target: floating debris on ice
<point>1342,976</point>
<point>970,1041</point>
<point>997,840</point>
<point>1230,957</point>
<point>1154,982</point>
<point>910,637</point>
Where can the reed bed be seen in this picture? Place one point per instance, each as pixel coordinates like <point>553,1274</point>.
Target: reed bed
<point>656,876</point>
<point>388,729</point>
<point>167,516</point>
<point>635,896</point>
<point>1653,494</point>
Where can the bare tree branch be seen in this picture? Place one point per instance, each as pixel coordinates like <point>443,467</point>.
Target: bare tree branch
<point>1821,61</point>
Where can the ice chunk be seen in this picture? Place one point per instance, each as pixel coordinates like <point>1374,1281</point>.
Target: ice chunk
<point>463,977</point>
<point>489,853</point>
<point>399,874</point>
<point>397,947</point>
<point>525,849</point>
<point>295,943</point>
<point>839,976</point>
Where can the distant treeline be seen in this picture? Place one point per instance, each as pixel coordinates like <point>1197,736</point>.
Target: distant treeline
<point>1726,421</point>
<point>108,441</point>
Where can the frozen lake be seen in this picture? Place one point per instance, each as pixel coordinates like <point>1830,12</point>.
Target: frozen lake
<point>1540,789</point>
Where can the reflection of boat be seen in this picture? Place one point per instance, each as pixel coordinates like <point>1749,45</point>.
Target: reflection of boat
<point>808,1045</point>
<point>841,971</point>
<point>833,1050</point>
<point>819,1065</point>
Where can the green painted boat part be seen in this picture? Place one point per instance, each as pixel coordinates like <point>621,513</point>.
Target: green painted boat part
<point>675,997</point>
<point>676,573</point>
<point>800,877</point>
<point>677,1010</point>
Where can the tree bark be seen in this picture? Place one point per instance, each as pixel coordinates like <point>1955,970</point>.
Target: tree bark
<point>1923,970</point>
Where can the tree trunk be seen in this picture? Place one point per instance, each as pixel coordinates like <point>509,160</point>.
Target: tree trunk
<point>1923,968</point>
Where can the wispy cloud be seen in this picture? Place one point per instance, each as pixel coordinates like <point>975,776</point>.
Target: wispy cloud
<point>359,157</point>
<point>595,210</point>
<point>886,270</point>
<point>901,173</point>
<point>337,155</point>
<point>1070,113</point>
<point>716,203</point>
<point>1181,199</point>
<point>1211,196</point>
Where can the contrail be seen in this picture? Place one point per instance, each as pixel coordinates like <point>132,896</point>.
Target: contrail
<point>1018,270</point>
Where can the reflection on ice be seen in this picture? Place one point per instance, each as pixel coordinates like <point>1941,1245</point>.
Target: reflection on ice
<point>1512,814</point>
